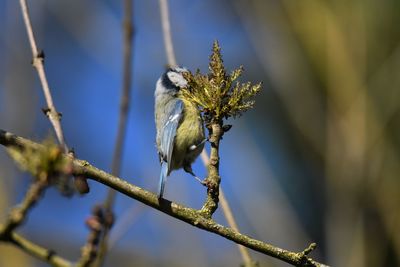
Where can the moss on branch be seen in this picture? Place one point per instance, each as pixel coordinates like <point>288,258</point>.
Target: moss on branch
<point>218,96</point>
<point>186,214</point>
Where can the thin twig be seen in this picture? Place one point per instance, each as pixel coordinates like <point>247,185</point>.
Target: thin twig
<point>18,214</point>
<point>50,111</point>
<point>125,97</point>
<point>38,59</point>
<point>97,223</point>
<point>124,223</point>
<point>122,122</point>
<point>46,255</point>
<point>166,28</point>
<point>189,215</point>
<point>244,252</point>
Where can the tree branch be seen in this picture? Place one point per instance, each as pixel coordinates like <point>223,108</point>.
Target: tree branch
<point>127,28</point>
<point>100,220</point>
<point>33,249</point>
<point>37,62</point>
<point>50,111</point>
<point>18,215</point>
<point>125,96</point>
<point>166,28</point>
<point>191,216</point>
<point>213,179</point>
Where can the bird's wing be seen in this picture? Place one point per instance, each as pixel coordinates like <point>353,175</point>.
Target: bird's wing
<point>169,132</point>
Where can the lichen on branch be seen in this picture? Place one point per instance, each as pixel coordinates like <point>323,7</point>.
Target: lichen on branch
<point>48,160</point>
<point>180,212</point>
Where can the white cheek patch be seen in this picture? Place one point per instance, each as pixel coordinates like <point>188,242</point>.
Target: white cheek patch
<point>159,88</point>
<point>180,70</point>
<point>177,79</point>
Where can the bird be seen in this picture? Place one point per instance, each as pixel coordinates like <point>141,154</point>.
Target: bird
<point>180,131</point>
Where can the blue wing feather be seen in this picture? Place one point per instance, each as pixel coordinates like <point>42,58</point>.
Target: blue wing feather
<point>169,132</point>
<point>163,178</point>
<point>167,141</point>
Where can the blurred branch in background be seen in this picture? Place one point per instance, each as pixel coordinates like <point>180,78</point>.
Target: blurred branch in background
<point>282,61</point>
<point>166,30</point>
<point>44,254</point>
<point>18,215</point>
<point>340,53</point>
<point>353,124</point>
<point>44,165</point>
<point>127,29</point>
<point>14,55</point>
<point>247,261</point>
<point>285,65</point>
<point>99,224</point>
<point>288,227</point>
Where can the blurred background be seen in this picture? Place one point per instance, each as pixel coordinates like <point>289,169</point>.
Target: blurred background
<point>316,160</point>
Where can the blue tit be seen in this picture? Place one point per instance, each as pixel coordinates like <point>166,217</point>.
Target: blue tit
<point>180,131</point>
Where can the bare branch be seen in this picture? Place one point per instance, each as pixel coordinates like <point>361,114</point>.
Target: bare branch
<point>37,62</point>
<point>51,111</point>
<point>100,220</point>
<point>44,254</point>
<point>191,216</point>
<point>18,214</point>
<point>122,122</point>
<point>125,96</point>
<point>166,28</point>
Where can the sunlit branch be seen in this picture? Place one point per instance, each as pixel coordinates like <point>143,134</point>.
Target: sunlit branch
<point>191,216</point>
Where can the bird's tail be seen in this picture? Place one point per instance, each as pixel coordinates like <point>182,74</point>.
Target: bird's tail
<point>163,178</point>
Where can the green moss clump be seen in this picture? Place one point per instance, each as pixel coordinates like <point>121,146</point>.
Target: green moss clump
<point>218,94</point>
<point>47,159</point>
